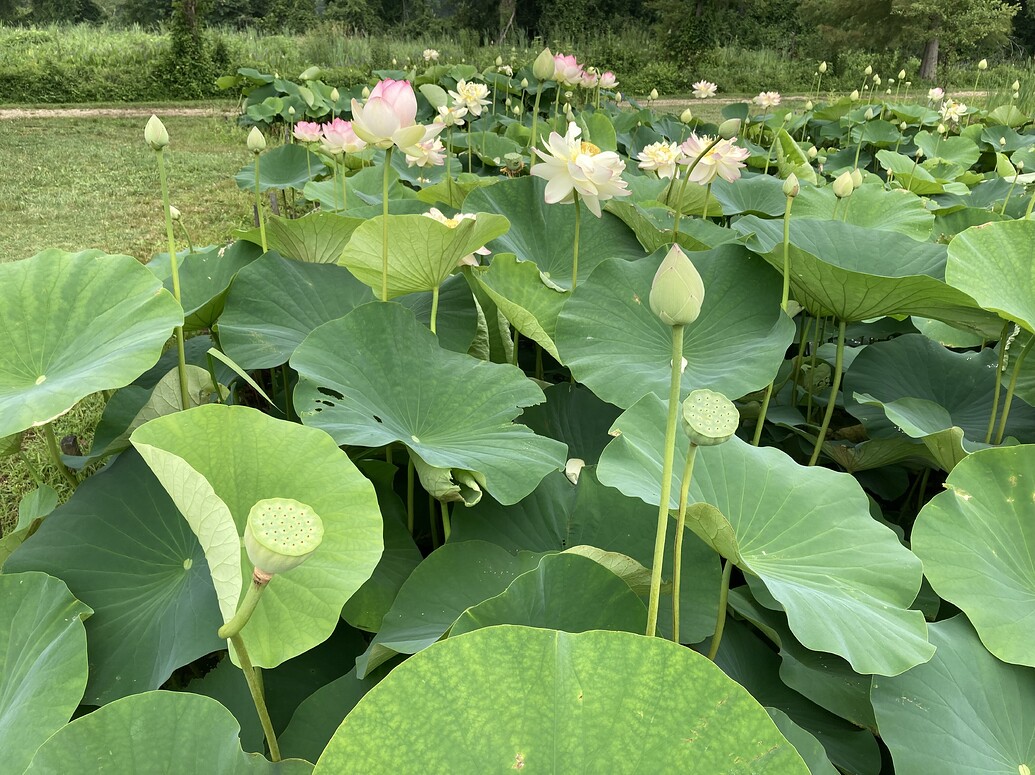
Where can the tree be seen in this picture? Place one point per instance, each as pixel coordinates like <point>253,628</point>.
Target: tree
<point>74,11</point>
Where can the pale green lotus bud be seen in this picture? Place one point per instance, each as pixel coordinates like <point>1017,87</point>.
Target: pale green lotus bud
<point>1015,86</point>
<point>868,115</point>
<point>281,534</point>
<point>983,64</point>
<point>618,96</point>
<point>857,177</point>
<point>812,152</point>
<point>843,186</point>
<point>887,91</point>
<point>256,141</point>
<point>1016,95</point>
<point>942,129</point>
<point>919,153</point>
<point>876,80</point>
<point>516,110</point>
<point>309,74</point>
<point>686,116</point>
<point>677,293</point>
<point>891,82</point>
<point>729,128</point>
<point>823,67</point>
<point>155,134</point>
<point>901,74</point>
<point>499,61</point>
<point>808,105</point>
<point>903,126</point>
<point>854,96</point>
<point>1019,165</point>
<point>336,95</point>
<point>174,213</point>
<point>394,61</point>
<point>868,70</point>
<point>291,111</point>
<point>524,83</point>
<point>653,94</point>
<point>543,68</point>
<point>1002,141</point>
<point>709,418</point>
<point>507,102</point>
<point>791,186</point>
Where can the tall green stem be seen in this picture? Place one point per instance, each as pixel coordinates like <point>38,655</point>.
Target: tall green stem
<point>720,622</point>
<point>707,196</point>
<point>821,331</point>
<point>55,455</point>
<point>258,207</point>
<point>470,149</point>
<point>835,384</point>
<point>1003,339</point>
<point>409,494</point>
<point>785,297</point>
<point>1010,388</point>
<point>449,165</point>
<point>535,123</point>
<point>384,225</point>
<point>675,383</point>
<point>682,188</point>
<point>344,186</point>
<point>251,675</point>
<point>181,364</point>
<point>446,530</point>
<point>1009,193</point>
<point>760,422</point>
<point>575,246</point>
<point>677,549</point>
<point>335,184</point>
<point>245,610</point>
<point>434,309</point>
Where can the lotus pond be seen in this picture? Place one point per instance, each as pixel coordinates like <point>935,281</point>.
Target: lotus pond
<point>668,447</point>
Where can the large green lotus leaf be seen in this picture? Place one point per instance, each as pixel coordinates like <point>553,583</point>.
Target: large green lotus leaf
<point>123,549</point>
<point>449,581</point>
<point>164,733</point>
<point>994,264</point>
<point>758,195</point>
<point>854,273</point>
<point>543,234</point>
<point>525,300</point>
<point>804,742</point>
<point>958,150</point>
<point>574,415</point>
<point>364,190</point>
<point>844,580</point>
<point>653,224</point>
<point>566,592</point>
<point>964,711</point>
<point>422,252</point>
<point>286,166</point>
<point>274,303</point>
<point>947,225</point>
<point>42,662</point>
<point>871,206</point>
<point>73,324</point>
<point>457,317</point>
<point>511,697</point>
<point>235,456</point>
<point>318,238</point>
<point>977,542</point>
<point>618,348</point>
<point>874,453</point>
<point>559,516</point>
<point>377,376</point>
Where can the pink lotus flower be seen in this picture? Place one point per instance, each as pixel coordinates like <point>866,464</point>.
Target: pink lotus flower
<point>339,137</point>
<point>389,116</point>
<point>307,132</point>
<point>570,166</point>
<point>608,80</point>
<point>471,259</point>
<point>704,89</point>
<point>935,94</point>
<point>567,70</point>
<point>723,160</point>
<point>429,152</point>
<point>589,80</point>
<point>767,99</point>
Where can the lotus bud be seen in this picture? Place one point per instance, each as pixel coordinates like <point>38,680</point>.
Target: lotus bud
<point>281,534</point>
<point>983,64</point>
<point>808,105</point>
<point>868,115</point>
<point>709,418</point>
<point>843,186</point>
<point>499,61</point>
<point>791,186</point>
<point>942,129</point>
<point>729,128</point>
<point>174,213</point>
<point>566,107</point>
<point>857,178</point>
<point>919,153</point>
<point>903,126</point>
<point>677,293</point>
<point>543,67</point>
<point>823,67</point>
<point>618,96</point>
<point>516,110</point>
<point>573,468</point>
<point>524,83</point>
<point>876,80</point>
<point>507,102</point>
<point>653,94</point>
<point>394,61</point>
<point>868,70</point>
<point>908,84</point>
<point>256,141</point>
<point>1016,95</point>
<point>291,111</point>
<point>887,91</point>
<point>891,82</point>
<point>335,95</point>
<point>854,96</point>
<point>686,116</point>
<point>901,74</point>
<point>1002,141</point>
<point>1019,165</point>
<point>1015,86</point>
<point>155,134</point>
<point>812,152</point>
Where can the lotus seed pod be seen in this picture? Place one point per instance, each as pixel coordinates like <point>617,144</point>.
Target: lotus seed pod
<point>729,128</point>
<point>791,186</point>
<point>983,64</point>
<point>653,94</point>
<point>709,418</point>
<point>256,141</point>
<point>677,293</point>
<point>843,186</point>
<point>854,96</point>
<point>822,67</point>
<point>686,116</point>
<point>281,534</point>
<point>868,70</point>
<point>543,67</point>
<point>808,105</point>
<point>155,134</point>
<point>857,178</point>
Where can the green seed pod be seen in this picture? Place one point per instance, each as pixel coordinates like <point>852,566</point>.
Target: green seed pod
<point>677,293</point>
<point>543,67</point>
<point>281,534</point>
<point>155,134</point>
<point>709,418</point>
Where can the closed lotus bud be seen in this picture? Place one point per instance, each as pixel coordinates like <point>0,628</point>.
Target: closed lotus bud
<point>281,534</point>
<point>524,83</point>
<point>919,153</point>
<point>876,80</point>
<point>1019,165</point>
<point>891,82</point>
<point>174,213</point>
<point>517,110</point>
<point>677,293</point>
<point>499,61</point>
<point>854,96</point>
<point>709,418</point>
<point>1002,141</point>
<point>543,67</point>
<point>822,67</point>
<point>653,94</point>
<point>686,116</point>
<point>507,102</point>
<point>155,134</point>
<point>618,96</point>
<point>729,128</point>
<point>812,152</point>
<point>887,91</point>
<point>857,177</point>
<point>901,74</point>
<point>256,141</point>
<point>868,115</point>
<point>291,111</point>
<point>1016,95</point>
<point>868,70</point>
<point>983,64</point>
<point>843,186</point>
<point>908,84</point>
<point>942,129</point>
<point>1015,86</point>
<point>573,468</point>
<point>394,61</point>
<point>791,186</point>
<point>335,95</point>
<point>903,126</point>
<point>808,105</point>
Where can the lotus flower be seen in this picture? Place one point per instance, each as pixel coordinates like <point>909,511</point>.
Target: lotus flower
<point>952,110</point>
<point>339,137</point>
<point>661,158</point>
<point>704,89</point>
<point>589,80</point>
<point>723,160</point>
<point>567,70</point>
<point>469,260</point>
<point>429,152</point>
<point>767,99</point>
<point>571,166</point>
<point>608,80</point>
<point>935,94</point>
<point>389,116</point>
<point>307,132</point>
<point>473,96</point>
<point>451,115</point>
<point>430,55</point>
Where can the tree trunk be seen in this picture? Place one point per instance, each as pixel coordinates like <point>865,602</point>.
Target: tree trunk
<point>929,63</point>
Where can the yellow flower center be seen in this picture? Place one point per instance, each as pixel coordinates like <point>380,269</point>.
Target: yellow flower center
<point>451,222</point>
<point>589,149</point>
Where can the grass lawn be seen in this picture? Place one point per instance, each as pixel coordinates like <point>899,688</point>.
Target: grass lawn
<point>77,183</point>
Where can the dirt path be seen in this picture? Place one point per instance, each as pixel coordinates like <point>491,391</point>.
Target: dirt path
<point>14,114</point>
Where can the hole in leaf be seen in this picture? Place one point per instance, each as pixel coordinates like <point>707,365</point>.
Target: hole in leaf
<point>331,393</point>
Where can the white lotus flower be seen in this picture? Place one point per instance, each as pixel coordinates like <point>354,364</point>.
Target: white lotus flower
<point>952,110</point>
<point>704,89</point>
<point>473,96</point>
<point>935,94</point>
<point>430,55</point>
<point>661,158</point>
<point>451,115</point>
<point>723,160</point>
<point>571,166</point>
<point>767,99</point>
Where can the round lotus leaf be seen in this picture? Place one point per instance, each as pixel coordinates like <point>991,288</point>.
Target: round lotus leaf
<point>510,698</point>
<point>73,324</point>
<point>709,418</point>
<point>281,534</point>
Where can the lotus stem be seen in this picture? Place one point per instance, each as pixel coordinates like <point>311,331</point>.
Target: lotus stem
<point>1011,387</point>
<point>835,384</point>
<point>446,530</point>
<point>384,225</point>
<point>799,357</point>
<point>1009,193</point>
<point>538,361</point>
<point>675,383</point>
<point>760,422</point>
<point>470,150</point>
<point>257,586</point>
<point>821,331</point>
<point>434,308</point>
<point>449,170</point>
<point>55,454</point>
<point>34,473</point>
<point>677,549</point>
<point>772,147</point>
<point>682,189</point>
<point>707,196</point>
<point>720,622</point>
<point>344,186</point>
<point>258,207</point>
<point>535,122</point>
<point>409,495</point>
<point>575,250</point>
<point>1031,204</point>
<point>786,254</point>
<point>254,679</point>
<point>285,378</point>
<point>335,186</point>
<point>858,148</point>
<point>1003,344</point>
<point>434,522</point>
<point>514,349</point>
<point>181,363</point>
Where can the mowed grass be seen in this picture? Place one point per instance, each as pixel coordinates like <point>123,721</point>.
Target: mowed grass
<point>78,183</point>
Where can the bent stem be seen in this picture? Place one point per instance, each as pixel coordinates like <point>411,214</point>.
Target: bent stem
<point>181,355</point>
<point>55,454</point>
<point>258,585</point>
<point>384,225</point>
<point>720,622</point>
<point>575,254</point>
<point>835,384</point>
<point>1004,340</point>
<point>675,382</point>
<point>254,679</point>
<point>1011,387</point>
<point>677,549</point>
